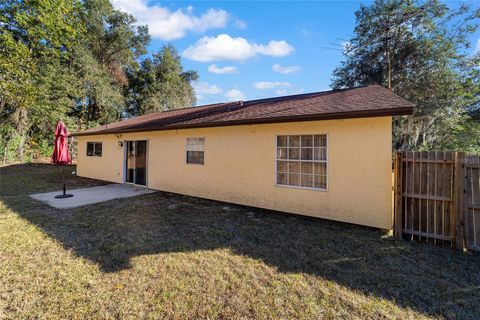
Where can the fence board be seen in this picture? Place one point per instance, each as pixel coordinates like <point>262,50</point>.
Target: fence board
<point>458,194</point>
<point>472,203</point>
<point>431,192</point>
<point>398,195</point>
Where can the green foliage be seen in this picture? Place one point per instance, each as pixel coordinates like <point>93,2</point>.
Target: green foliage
<point>67,60</point>
<point>9,142</point>
<point>111,44</point>
<point>160,84</point>
<point>419,50</point>
<point>35,47</point>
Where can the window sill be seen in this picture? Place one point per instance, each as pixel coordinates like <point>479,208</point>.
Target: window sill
<point>299,187</point>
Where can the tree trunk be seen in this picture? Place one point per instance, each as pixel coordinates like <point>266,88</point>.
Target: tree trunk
<point>21,123</point>
<point>83,114</point>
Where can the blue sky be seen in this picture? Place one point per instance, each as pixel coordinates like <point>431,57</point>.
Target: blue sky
<point>249,50</point>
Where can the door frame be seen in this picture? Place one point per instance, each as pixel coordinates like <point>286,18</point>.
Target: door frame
<point>125,153</point>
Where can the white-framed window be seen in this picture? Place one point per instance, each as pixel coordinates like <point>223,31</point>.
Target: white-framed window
<point>94,149</point>
<point>302,161</point>
<point>195,150</point>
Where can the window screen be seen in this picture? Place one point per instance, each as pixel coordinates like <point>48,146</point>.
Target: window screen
<point>196,150</point>
<point>302,161</point>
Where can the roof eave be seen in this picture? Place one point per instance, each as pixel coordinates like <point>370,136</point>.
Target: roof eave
<point>299,118</point>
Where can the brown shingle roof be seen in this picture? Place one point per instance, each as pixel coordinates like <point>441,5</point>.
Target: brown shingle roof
<point>367,101</point>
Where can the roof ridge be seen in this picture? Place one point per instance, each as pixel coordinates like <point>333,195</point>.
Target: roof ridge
<point>304,95</point>
<point>195,114</point>
<point>176,110</point>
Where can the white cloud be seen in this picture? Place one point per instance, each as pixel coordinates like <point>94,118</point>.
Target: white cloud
<point>477,48</point>
<point>235,95</point>
<point>168,25</point>
<point>222,70</point>
<point>285,92</point>
<point>224,47</point>
<point>263,85</point>
<point>240,24</point>
<point>275,48</point>
<point>285,69</point>
<point>203,88</point>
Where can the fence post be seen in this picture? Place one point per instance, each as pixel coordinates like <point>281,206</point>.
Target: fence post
<point>398,196</point>
<point>458,200</point>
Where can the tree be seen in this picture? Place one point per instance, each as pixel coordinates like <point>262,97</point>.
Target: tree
<point>17,93</point>
<point>64,60</point>
<point>418,50</point>
<point>32,36</point>
<point>160,84</point>
<point>112,43</point>
<point>464,133</point>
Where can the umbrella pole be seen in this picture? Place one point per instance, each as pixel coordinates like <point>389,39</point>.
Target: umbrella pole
<point>64,195</point>
<point>63,176</point>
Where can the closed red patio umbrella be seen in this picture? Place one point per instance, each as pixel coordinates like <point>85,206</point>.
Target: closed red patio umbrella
<point>61,156</point>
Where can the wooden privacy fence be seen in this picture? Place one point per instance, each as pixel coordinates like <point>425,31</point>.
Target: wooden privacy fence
<point>437,198</point>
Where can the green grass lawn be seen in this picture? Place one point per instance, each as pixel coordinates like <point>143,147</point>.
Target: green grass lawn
<point>168,256</point>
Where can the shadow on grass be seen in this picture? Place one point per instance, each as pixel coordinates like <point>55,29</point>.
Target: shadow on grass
<point>435,281</point>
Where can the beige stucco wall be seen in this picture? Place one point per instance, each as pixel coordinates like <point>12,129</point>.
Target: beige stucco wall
<point>240,167</point>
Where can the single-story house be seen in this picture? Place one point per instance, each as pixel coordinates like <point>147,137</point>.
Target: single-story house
<point>325,154</point>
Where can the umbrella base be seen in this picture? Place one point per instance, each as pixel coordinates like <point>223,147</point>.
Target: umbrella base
<point>61,196</point>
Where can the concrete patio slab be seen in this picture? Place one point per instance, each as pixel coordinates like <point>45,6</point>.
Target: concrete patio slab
<point>91,195</point>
